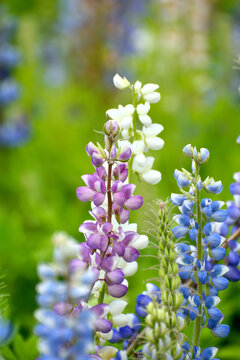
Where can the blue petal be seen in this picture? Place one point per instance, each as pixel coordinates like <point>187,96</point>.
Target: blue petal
<point>221,330</point>
<point>221,283</point>
<point>219,215</point>
<point>180,231</point>
<point>218,253</point>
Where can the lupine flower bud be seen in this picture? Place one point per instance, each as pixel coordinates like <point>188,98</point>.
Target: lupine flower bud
<point>121,82</point>
<point>188,150</point>
<point>111,128</point>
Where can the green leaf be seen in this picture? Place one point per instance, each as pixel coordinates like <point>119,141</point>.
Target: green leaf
<point>25,349</point>
<point>7,353</point>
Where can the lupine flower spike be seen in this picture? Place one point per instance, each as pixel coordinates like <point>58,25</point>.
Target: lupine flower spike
<point>133,116</point>
<point>198,259</point>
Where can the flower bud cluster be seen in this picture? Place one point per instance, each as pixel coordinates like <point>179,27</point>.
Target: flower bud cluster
<point>64,328</point>
<point>13,132</point>
<point>140,141</point>
<point>164,323</point>
<point>198,261</point>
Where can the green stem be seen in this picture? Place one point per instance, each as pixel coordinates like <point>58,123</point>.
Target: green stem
<point>197,329</point>
<point>102,293</point>
<point>134,101</point>
<point>134,345</point>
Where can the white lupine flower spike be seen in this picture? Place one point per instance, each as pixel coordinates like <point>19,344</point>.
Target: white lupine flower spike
<point>137,128</point>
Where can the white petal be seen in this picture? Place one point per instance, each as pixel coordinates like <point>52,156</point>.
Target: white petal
<point>131,268</point>
<point>141,242</point>
<point>145,120</point>
<point>106,336</point>
<point>152,177</point>
<point>120,83</point>
<point>155,143</point>
<point>137,147</point>
<point>153,97</point>
<point>126,122</point>
<point>142,109</point>
<point>152,130</point>
<point>139,163</point>
<point>113,114</point>
<point>129,109</point>
<point>117,307</point>
<point>149,88</point>
<point>125,134</point>
<point>148,163</point>
<point>137,85</point>
<point>120,320</point>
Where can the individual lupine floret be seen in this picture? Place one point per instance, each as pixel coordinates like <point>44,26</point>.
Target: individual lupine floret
<point>198,263</point>
<point>142,140</point>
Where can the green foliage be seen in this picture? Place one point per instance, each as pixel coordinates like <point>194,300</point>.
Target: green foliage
<point>20,349</point>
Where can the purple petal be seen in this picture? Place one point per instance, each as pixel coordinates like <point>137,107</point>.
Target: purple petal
<point>103,325</point>
<point>117,291</point>
<point>124,216</point>
<point>119,198</point>
<point>91,148</point>
<point>113,153</point>
<point>118,248</point>
<point>93,241</point>
<point>134,203</point>
<point>128,190</point>
<point>103,243</point>
<point>130,236</point>
<point>76,264</point>
<point>100,310</point>
<point>117,186</point>
<point>120,172</point>
<point>88,227</point>
<point>99,213</point>
<point>131,254</point>
<point>97,159</point>
<point>97,259</point>
<point>109,263</point>
<point>98,199</point>
<point>101,172</point>
<point>125,155</point>
<point>107,227</point>
<point>84,252</point>
<point>116,276</point>
<point>63,308</point>
<point>89,180</point>
<point>84,193</point>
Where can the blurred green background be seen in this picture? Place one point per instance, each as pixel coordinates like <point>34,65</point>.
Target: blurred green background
<point>187,47</point>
